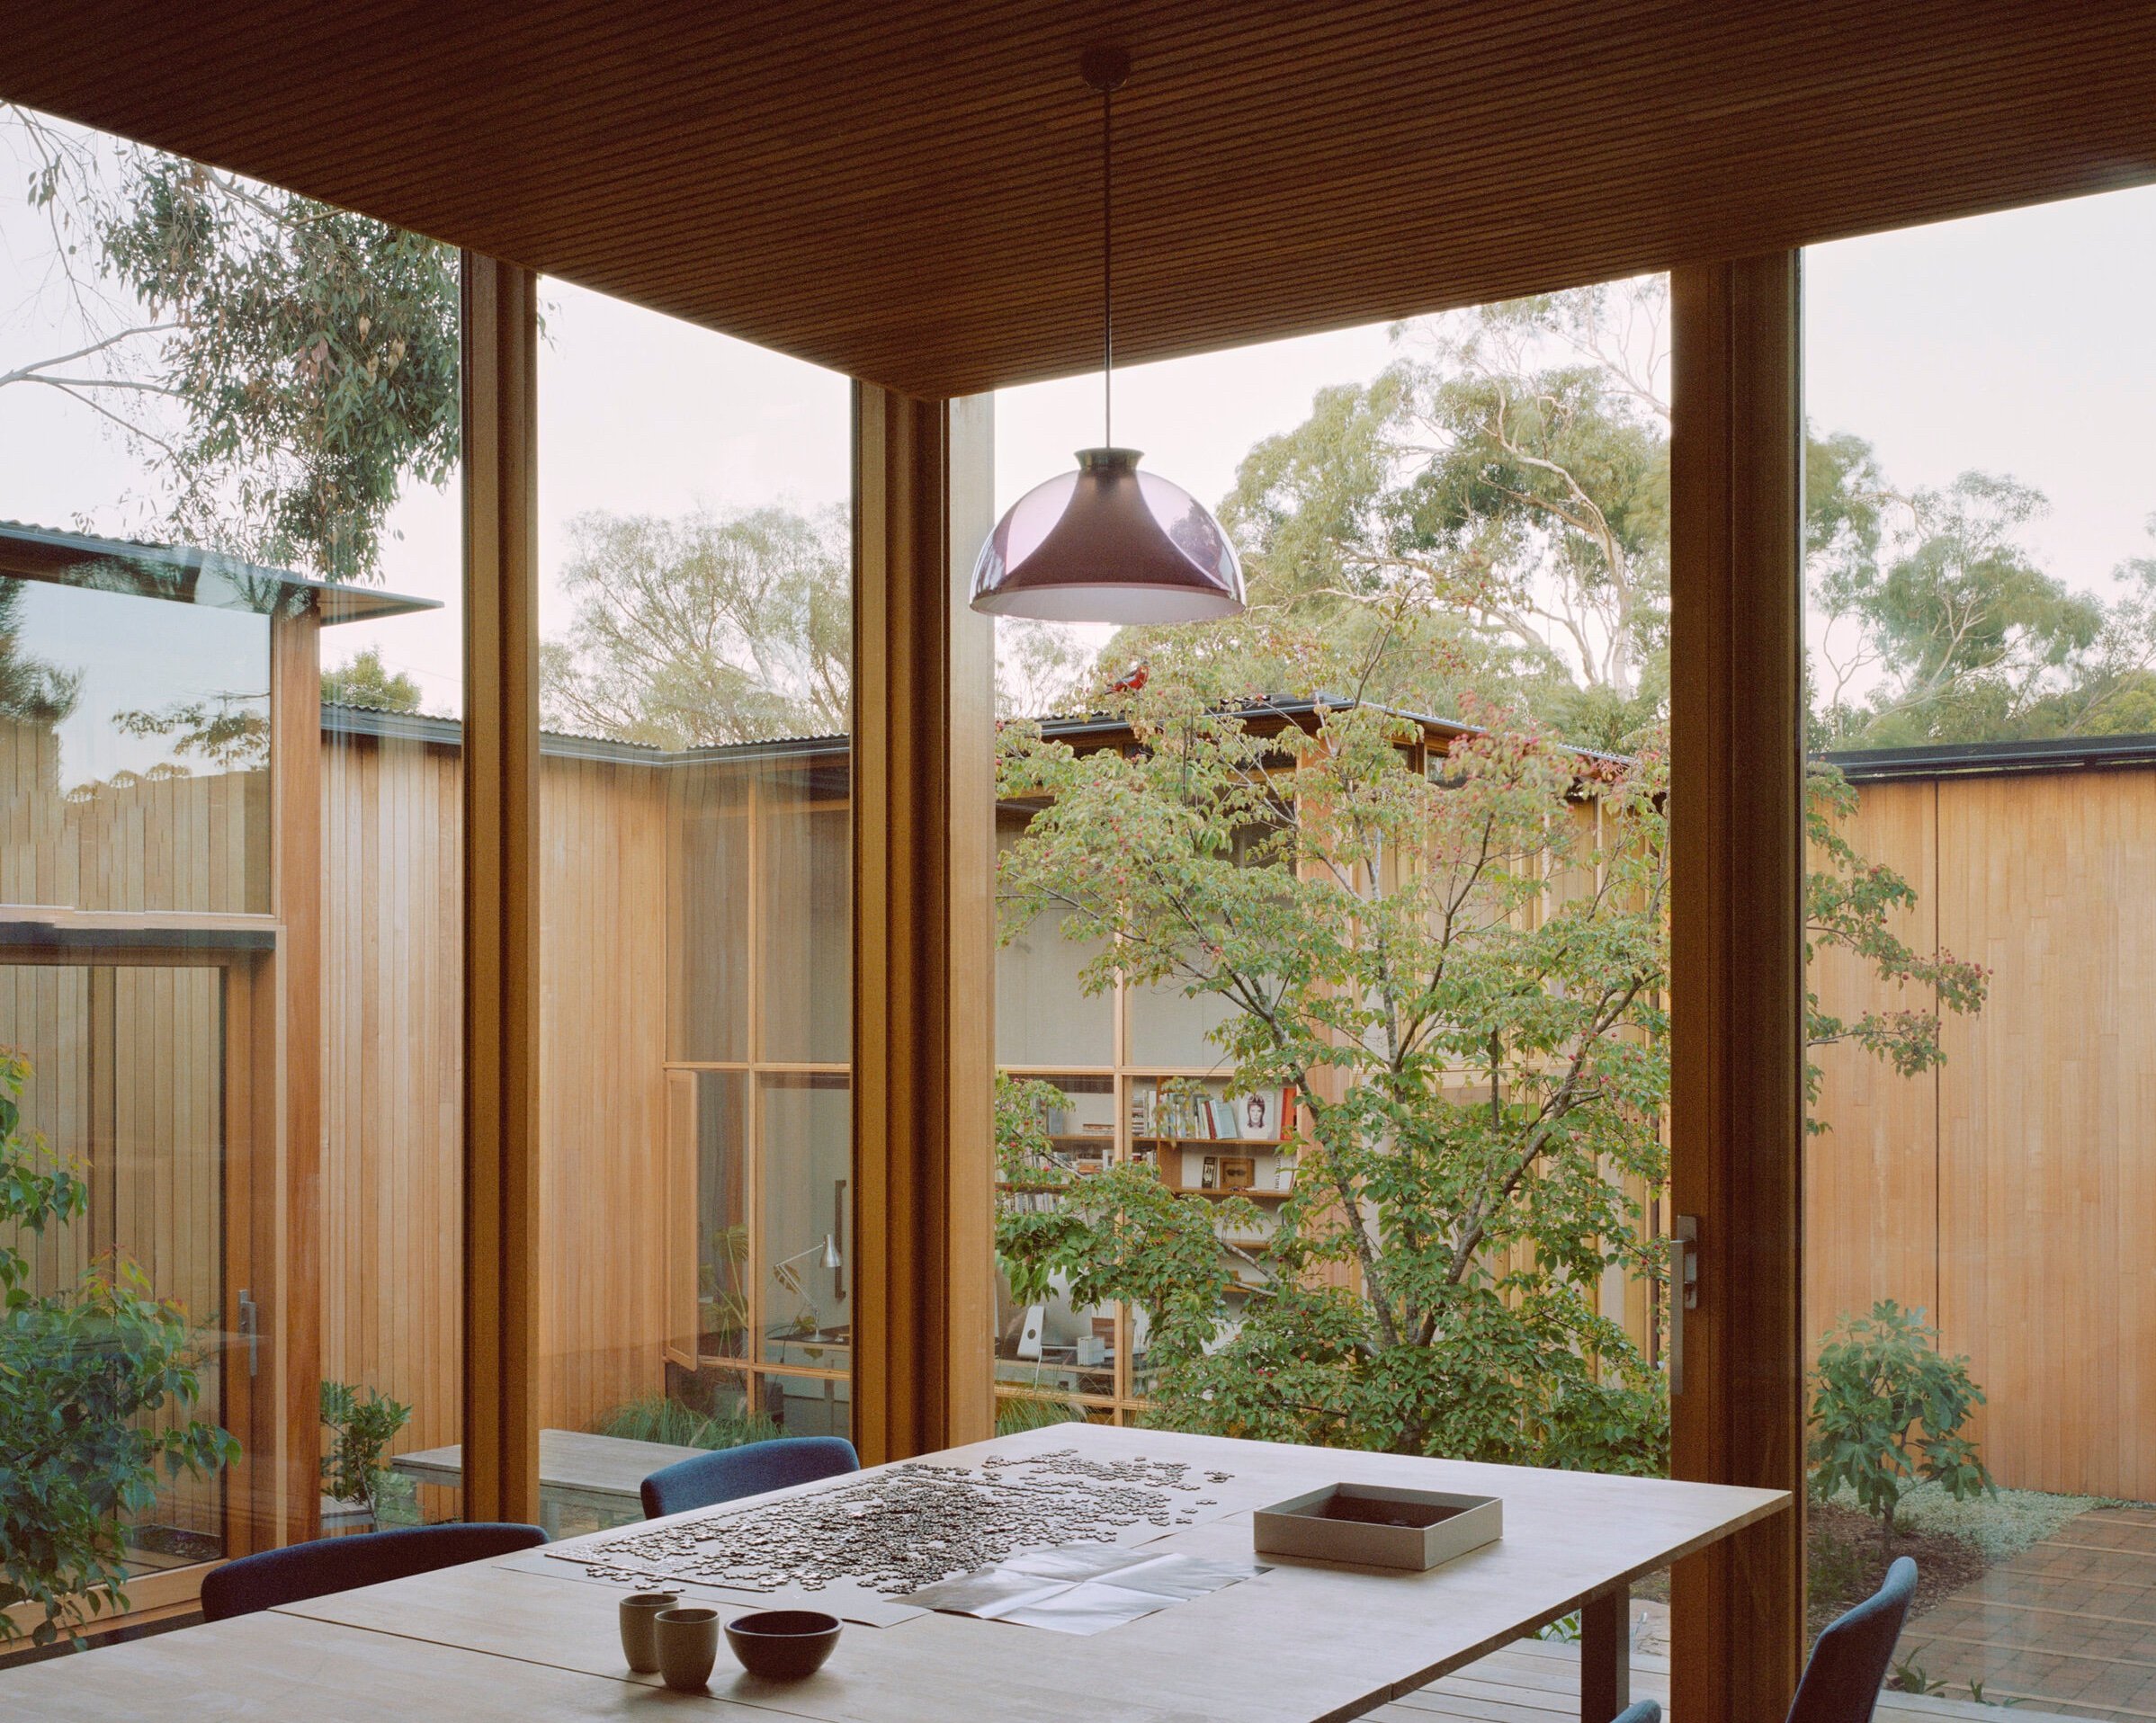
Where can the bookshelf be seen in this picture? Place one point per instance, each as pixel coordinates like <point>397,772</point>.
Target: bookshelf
<point>1139,1083</point>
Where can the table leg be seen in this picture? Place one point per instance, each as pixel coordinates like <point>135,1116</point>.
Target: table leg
<point>1606,1655</point>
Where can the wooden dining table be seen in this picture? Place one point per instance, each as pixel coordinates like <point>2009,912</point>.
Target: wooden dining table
<point>534,1636</point>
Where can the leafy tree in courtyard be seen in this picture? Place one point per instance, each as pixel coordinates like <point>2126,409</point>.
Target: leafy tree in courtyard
<point>286,366</point>
<point>705,627</point>
<point>91,1375</point>
<point>1482,533</point>
<point>1508,481</point>
<point>1479,1067</point>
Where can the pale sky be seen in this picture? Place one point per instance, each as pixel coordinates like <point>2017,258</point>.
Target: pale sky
<point>2018,342</point>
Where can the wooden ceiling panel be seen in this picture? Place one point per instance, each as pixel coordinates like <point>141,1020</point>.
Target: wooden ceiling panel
<point>907,192</point>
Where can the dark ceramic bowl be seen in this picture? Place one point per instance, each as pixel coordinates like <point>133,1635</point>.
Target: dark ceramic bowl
<point>782,1644</point>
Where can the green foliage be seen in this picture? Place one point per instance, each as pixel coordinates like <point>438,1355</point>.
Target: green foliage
<point>721,1305</point>
<point>225,732</point>
<point>287,365</point>
<point>1851,905</point>
<point>363,679</point>
<point>1910,1677</point>
<point>361,1425</point>
<point>1940,625</point>
<point>1480,1067</point>
<point>1508,477</point>
<point>32,690</point>
<point>316,353</point>
<point>1018,1413</point>
<point>704,628</point>
<point>84,1373</point>
<point>1887,1411</point>
<point>658,1417</point>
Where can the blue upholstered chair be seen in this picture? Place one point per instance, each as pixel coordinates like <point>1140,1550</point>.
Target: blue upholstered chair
<point>1849,1663</point>
<point>730,1473</point>
<point>304,1570</point>
<point>1841,1682</point>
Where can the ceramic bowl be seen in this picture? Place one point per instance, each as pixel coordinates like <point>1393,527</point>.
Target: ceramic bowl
<point>782,1644</point>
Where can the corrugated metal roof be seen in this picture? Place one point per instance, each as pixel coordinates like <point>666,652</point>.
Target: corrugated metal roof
<point>1991,759</point>
<point>185,574</point>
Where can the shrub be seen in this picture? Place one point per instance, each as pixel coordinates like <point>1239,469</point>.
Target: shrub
<point>657,1417</point>
<point>85,1371</point>
<point>1015,1413</point>
<point>1887,1410</point>
<point>359,1429</point>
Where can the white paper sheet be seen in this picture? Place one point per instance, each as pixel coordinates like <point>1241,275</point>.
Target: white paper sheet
<point>1079,1590</point>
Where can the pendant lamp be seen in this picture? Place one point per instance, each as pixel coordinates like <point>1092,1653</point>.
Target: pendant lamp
<point>1108,543</point>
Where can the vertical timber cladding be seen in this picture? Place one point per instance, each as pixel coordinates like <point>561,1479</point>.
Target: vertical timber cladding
<point>924,926</point>
<point>1737,986</point>
<point>500,1100</point>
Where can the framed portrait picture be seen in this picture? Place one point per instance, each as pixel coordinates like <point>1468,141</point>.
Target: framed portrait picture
<point>1238,1171</point>
<point>1209,1173</point>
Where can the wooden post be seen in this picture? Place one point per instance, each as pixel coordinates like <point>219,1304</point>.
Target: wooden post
<point>291,1266</point>
<point>501,895</point>
<point>1737,986</point>
<point>1606,1655</point>
<point>924,927</point>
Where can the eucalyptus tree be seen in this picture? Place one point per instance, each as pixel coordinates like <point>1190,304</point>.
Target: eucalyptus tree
<point>285,367</point>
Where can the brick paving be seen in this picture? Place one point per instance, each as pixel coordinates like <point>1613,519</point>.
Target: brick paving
<point>2067,1628</point>
<point>2069,1624</point>
<point>1537,1683</point>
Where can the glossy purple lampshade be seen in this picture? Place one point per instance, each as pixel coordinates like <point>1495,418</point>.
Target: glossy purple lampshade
<point>1108,543</point>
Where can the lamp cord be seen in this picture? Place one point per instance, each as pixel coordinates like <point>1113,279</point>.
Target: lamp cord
<point>1107,267</point>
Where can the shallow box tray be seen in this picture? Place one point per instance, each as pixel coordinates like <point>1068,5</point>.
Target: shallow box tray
<point>1372,1525</point>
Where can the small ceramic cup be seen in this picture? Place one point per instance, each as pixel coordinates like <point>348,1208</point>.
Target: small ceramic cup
<point>688,1646</point>
<point>638,1644</point>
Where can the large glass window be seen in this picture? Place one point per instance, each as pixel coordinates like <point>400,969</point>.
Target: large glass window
<point>1294,997</point>
<point>1982,469</point>
<point>696,871</point>
<point>228,892</point>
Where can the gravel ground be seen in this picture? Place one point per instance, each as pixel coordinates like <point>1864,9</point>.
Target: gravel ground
<point>2001,1525</point>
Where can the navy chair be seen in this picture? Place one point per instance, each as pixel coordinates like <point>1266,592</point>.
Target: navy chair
<point>1841,1682</point>
<point>304,1570</point>
<point>730,1473</point>
<point>1645,1711</point>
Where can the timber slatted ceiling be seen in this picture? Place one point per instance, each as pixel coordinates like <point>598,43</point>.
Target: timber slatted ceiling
<point>906,193</point>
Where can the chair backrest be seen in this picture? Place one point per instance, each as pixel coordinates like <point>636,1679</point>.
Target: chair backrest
<point>1645,1711</point>
<point>304,1570</point>
<point>730,1473</point>
<point>1849,1663</point>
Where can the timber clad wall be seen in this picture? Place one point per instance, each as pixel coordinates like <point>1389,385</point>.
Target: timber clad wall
<point>391,1164</point>
<point>392,1169</point>
<point>198,843</point>
<point>2013,1191</point>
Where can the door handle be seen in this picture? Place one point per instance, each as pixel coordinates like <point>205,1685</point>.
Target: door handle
<point>1684,1292</point>
<point>250,1330</point>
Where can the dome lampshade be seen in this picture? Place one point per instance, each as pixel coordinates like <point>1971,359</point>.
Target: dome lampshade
<point>1108,543</point>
